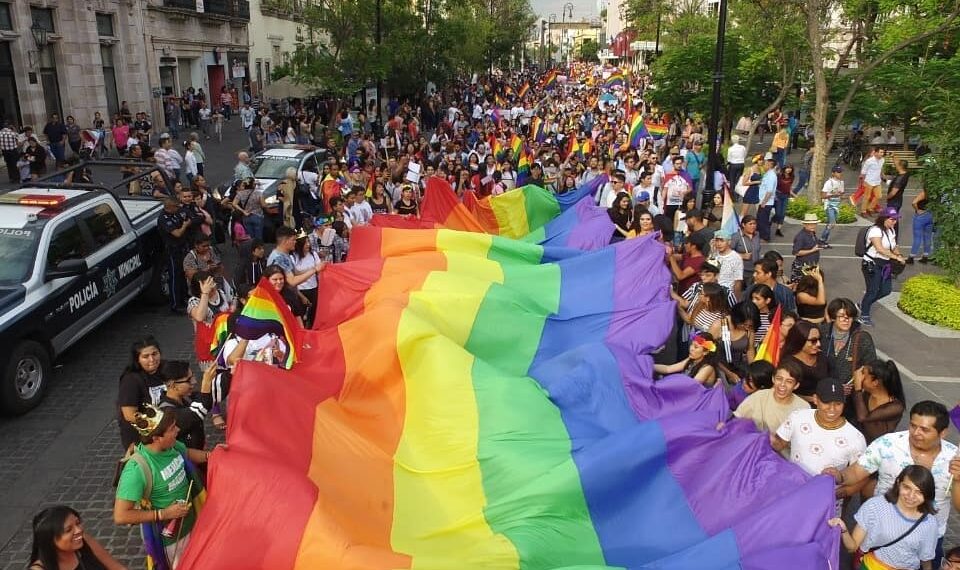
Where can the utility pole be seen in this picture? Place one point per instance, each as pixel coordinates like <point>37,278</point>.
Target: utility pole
<point>379,80</point>
<point>712,131</point>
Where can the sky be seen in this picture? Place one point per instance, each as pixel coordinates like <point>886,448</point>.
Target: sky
<point>582,9</point>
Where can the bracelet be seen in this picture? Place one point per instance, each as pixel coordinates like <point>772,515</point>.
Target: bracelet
<point>156,515</point>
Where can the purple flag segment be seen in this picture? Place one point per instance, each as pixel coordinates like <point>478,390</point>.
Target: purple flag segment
<point>585,226</point>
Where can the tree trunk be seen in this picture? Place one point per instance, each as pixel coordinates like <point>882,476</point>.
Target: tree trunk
<point>822,94</point>
<point>784,91</point>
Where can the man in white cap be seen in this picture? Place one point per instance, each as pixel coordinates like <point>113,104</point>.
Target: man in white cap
<point>731,265</point>
<point>736,155</point>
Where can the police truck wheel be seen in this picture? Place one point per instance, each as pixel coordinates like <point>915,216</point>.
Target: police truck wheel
<point>25,378</point>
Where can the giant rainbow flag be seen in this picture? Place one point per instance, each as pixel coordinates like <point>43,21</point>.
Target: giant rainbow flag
<point>470,401</point>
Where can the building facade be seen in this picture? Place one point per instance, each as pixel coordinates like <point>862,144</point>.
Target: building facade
<point>76,57</point>
<point>201,44</point>
<point>273,36</point>
<point>70,57</point>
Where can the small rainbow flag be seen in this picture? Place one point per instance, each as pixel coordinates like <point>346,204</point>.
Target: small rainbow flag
<point>615,80</point>
<point>507,90</point>
<point>729,220</point>
<point>523,168</point>
<point>638,131</point>
<point>496,116</point>
<point>769,349</point>
<point>656,130</point>
<point>266,312</point>
<point>586,147</point>
<point>220,332</point>
<point>537,130</point>
<point>549,80</point>
<point>516,144</point>
<point>572,145</point>
<point>371,182</point>
<point>523,89</point>
<point>496,147</point>
<point>499,100</point>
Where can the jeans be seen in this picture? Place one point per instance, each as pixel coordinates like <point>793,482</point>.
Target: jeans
<point>780,207</point>
<point>831,213</point>
<point>803,177</point>
<point>922,234</point>
<point>254,226</point>
<point>781,157</point>
<point>763,222</point>
<point>878,282</point>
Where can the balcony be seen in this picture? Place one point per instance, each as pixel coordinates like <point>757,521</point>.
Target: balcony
<point>287,9</point>
<point>212,9</point>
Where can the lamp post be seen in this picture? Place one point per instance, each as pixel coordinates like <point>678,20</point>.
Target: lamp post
<point>379,80</point>
<point>567,9</point>
<point>543,39</point>
<point>712,134</point>
<point>553,20</point>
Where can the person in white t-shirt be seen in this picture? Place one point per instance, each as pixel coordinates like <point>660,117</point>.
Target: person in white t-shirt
<point>731,264</point>
<point>876,264</point>
<point>821,438</point>
<point>736,155</point>
<point>871,175</point>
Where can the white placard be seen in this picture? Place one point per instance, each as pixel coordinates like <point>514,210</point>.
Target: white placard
<point>413,172</point>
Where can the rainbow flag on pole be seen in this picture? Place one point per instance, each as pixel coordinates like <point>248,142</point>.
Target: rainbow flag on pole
<point>523,168</point>
<point>537,131</point>
<point>470,401</point>
<point>266,312</point>
<point>769,348</point>
<point>516,145</point>
<point>549,80</point>
<point>615,80</point>
<point>729,219</point>
<point>523,89</point>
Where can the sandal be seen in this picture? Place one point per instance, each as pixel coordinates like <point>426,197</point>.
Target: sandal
<point>219,422</point>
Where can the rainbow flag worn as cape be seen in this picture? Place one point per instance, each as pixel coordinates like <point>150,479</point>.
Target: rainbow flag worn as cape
<point>537,130</point>
<point>769,348</point>
<point>470,401</point>
<point>638,131</point>
<point>523,89</point>
<point>656,130</point>
<point>266,312</point>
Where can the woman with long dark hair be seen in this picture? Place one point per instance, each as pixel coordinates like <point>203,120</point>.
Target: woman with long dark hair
<point>60,543</point>
<point>897,529</point>
<point>876,266</point>
<point>140,384</point>
<point>620,216</point>
<point>878,398</point>
<point>700,363</point>
<point>765,301</point>
<point>803,346</point>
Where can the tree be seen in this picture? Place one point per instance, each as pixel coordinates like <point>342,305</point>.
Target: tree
<point>891,27</point>
<point>589,49</point>
<point>942,177</point>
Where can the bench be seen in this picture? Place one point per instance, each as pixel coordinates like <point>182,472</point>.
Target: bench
<point>910,156</point>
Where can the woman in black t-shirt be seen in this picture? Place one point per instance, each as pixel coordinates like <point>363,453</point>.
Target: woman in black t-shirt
<point>379,202</point>
<point>140,384</point>
<point>407,205</point>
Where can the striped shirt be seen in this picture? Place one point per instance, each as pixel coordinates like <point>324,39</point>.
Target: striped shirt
<point>884,523</point>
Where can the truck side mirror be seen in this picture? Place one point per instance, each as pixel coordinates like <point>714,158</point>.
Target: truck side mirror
<point>66,268</point>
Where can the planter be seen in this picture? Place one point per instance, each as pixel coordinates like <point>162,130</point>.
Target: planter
<point>933,299</point>
<point>797,207</point>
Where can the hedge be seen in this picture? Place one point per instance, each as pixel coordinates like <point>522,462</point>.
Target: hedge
<point>797,207</point>
<point>933,299</point>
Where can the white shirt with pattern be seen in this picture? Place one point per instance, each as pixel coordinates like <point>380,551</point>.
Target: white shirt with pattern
<point>890,453</point>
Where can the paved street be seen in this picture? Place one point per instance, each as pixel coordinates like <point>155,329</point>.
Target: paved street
<point>65,451</point>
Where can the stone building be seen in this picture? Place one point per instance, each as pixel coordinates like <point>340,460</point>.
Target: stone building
<point>273,35</point>
<point>77,57</point>
<point>70,57</point>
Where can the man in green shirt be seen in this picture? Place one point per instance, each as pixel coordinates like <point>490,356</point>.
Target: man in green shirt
<point>164,494</point>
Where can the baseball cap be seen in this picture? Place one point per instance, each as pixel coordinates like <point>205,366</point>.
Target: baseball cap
<point>721,234</point>
<point>829,390</point>
<point>891,213</point>
<point>837,168</point>
<point>643,196</point>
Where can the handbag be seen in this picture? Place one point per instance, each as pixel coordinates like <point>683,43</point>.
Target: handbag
<point>857,558</point>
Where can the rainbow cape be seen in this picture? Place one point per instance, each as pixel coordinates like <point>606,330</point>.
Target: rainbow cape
<point>769,348</point>
<point>656,130</point>
<point>537,130</point>
<point>638,131</point>
<point>523,89</point>
<point>471,401</point>
<point>266,312</point>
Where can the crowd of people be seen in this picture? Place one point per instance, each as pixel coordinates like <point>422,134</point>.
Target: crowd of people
<point>829,404</point>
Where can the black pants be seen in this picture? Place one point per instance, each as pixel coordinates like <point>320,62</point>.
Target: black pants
<point>10,157</point>
<point>178,280</point>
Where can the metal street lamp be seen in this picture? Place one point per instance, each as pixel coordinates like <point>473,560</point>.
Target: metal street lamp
<point>39,35</point>
<point>553,20</point>
<point>712,128</point>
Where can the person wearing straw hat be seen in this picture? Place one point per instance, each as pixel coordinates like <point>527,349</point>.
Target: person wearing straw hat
<point>806,247</point>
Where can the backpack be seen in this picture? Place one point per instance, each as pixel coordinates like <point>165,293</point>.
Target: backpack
<point>860,246</point>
